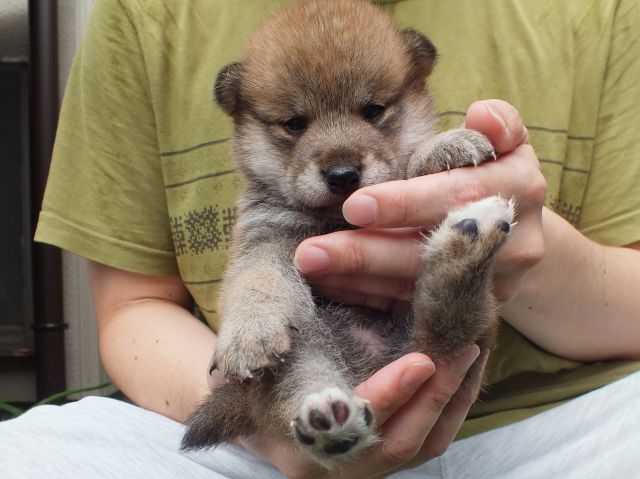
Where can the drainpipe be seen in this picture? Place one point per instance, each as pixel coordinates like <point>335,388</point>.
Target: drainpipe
<point>48,325</point>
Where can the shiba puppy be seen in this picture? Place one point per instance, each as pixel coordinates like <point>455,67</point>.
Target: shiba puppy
<point>330,97</point>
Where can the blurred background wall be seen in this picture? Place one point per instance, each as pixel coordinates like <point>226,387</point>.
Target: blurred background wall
<point>83,369</point>
<point>14,29</point>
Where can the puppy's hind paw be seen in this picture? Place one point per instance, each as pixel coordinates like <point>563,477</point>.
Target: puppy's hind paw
<point>334,426</point>
<point>484,217</point>
<point>477,230</point>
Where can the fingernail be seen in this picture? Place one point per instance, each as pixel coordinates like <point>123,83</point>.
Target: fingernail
<point>497,116</point>
<point>311,259</point>
<point>461,364</point>
<point>416,374</point>
<point>360,210</point>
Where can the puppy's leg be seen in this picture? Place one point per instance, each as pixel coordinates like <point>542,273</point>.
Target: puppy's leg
<point>451,149</point>
<point>453,304</point>
<point>263,300</point>
<point>327,421</point>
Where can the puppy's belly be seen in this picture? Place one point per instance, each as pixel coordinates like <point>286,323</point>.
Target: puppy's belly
<point>371,339</point>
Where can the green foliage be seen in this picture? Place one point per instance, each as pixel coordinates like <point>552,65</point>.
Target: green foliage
<point>10,408</point>
<point>16,411</point>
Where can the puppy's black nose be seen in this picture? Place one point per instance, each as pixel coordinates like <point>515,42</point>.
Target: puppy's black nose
<point>343,179</point>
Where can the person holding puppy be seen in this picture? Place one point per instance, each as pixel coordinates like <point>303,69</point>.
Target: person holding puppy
<point>145,157</point>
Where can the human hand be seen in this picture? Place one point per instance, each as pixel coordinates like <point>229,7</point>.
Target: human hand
<point>417,410</point>
<point>378,264</point>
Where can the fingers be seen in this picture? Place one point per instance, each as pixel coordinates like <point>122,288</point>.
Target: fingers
<point>404,433</point>
<point>352,251</point>
<point>499,121</point>
<point>387,390</point>
<point>453,416</point>
<point>425,200</point>
<point>392,386</point>
<point>373,266</point>
<point>515,259</point>
<point>408,398</point>
<point>381,287</point>
<point>354,298</point>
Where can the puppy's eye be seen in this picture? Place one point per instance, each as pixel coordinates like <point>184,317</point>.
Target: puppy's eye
<point>373,111</point>
<point>295,125</point>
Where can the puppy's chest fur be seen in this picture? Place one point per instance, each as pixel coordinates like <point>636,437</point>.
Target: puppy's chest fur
<point>330,98</point>
<point>378,336</point>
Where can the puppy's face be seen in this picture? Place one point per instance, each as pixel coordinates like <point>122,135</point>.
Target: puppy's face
<point>330,98</point>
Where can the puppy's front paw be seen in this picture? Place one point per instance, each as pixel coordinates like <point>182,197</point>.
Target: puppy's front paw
<point>240,354</point>
<point>334,426</point>
<point>452,149</point>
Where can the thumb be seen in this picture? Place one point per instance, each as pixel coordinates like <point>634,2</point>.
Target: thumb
<point>499,121</point>
<point>392,386</point>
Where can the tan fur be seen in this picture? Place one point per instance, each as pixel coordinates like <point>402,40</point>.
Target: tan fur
<point>333,32</point>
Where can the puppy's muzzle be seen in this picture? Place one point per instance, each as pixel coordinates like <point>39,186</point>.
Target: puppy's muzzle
<point>343,179</point>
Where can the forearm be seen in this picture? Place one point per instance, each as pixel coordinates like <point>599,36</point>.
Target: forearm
<point>581,301</point>
<point>157,353</point>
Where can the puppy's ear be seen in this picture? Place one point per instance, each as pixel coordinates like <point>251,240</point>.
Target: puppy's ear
<point>227,88</point>
<point>423,53</point>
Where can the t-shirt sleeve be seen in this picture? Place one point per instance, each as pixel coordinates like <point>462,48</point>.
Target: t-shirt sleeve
<point>105,197</point>
<point>611,208</point>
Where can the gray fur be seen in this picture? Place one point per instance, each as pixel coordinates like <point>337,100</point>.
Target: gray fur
<point>293,358</point>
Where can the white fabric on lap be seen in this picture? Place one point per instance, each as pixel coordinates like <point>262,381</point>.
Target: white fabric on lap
<point>594,436</point>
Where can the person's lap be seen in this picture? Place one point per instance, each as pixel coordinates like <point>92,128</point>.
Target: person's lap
<point>594,436</point>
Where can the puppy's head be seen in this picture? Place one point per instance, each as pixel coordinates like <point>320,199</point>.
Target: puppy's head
<point>329,98</point>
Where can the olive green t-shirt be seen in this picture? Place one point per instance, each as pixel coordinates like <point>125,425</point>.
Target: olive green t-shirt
<point>142,177</point>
